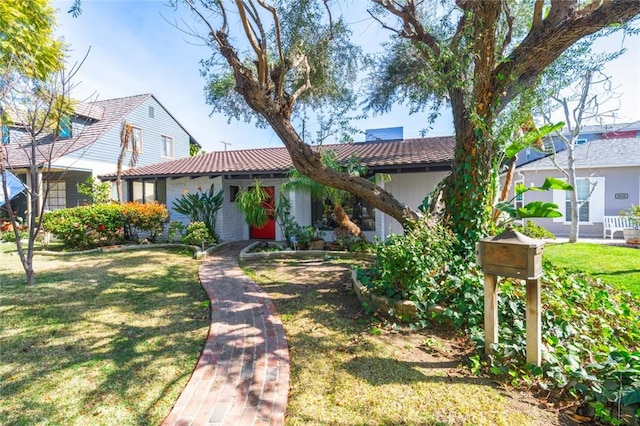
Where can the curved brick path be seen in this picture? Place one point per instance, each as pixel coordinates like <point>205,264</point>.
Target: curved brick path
<point>242,377</point>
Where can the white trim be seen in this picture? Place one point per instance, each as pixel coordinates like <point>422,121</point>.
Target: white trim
<point>596,202</point>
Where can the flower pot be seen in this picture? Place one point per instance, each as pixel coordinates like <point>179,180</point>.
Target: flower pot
<point>632,236</point>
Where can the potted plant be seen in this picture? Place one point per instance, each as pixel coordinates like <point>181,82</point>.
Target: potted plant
<point>632,234</point>
<point>316,238</point>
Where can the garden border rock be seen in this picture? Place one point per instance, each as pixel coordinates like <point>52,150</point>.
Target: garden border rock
<point>246,254</point>
<point>404,310</point>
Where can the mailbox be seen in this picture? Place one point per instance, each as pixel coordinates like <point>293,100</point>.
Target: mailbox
<point>511,254</point>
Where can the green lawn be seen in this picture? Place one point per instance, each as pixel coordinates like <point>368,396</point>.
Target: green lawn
<point>100,339</point>
<point>618,266</point>
<point>350,369</point>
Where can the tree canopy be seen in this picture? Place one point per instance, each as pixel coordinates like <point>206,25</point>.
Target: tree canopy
<point>479,56</point>
<point>476,56</point>
<point>27,43</point>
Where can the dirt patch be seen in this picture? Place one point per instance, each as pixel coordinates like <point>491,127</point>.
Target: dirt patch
<point>347,364</point>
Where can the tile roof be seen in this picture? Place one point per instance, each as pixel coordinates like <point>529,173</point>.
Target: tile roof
<point>112,112</point>
<point>421,152</point>
<point>597,153</point>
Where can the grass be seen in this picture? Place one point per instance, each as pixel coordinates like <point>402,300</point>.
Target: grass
<point>350,369</point>
<point>618,266</point>
<point>100,339</point>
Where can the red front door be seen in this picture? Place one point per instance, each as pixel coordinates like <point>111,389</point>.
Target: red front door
<point>268,231</point>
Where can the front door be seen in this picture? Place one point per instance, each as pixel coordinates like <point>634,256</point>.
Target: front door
<point>268,230</point>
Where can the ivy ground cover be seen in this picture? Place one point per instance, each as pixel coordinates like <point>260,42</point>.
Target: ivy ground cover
<point>100,339</point>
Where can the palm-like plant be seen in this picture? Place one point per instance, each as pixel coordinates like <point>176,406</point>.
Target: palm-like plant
<point>337,197</point>
<point>127,142</point>
<point>201,207</point>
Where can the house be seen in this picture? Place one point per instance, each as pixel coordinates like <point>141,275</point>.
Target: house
<point>607,160</point>
<point>414,165</point>
<point>88,144</point>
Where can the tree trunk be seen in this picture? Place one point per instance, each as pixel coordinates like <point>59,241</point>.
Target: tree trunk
<point>347,224</point>
<point>574,230</point>
<point>309,163</point>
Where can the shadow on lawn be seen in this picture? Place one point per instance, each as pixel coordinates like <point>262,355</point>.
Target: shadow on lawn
<point>105,323</point>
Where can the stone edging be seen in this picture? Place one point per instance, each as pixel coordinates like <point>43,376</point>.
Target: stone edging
<point>404,310</point>
<point>296,254</point>
<point>198,253</point>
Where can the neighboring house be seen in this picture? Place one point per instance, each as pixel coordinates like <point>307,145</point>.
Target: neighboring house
<point>609,157</point>
<point>88,144</point>
<point>415,167</point>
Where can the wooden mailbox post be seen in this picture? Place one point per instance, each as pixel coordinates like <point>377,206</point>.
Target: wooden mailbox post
<point>512,254</point>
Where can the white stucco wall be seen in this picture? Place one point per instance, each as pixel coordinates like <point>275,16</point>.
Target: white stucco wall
<point>410,189</point>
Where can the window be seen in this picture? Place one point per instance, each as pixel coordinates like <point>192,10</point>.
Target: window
<point>137,139</point>
<point>64,128</point>
<point>359,211</point>
<point>143,191</point>
<point>233,193</point>
<point>6,136</point>
<point>57,198</point>
<point>592,211</point>
<point>583,186</point>
<point>518,202</point>
<point>151,111</point>
<point>167,147</point>
<point>149,192</point>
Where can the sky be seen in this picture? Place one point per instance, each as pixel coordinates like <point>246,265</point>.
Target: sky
<point>133,48</point>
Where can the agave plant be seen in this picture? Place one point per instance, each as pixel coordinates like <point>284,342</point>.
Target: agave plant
<point>201,207</point>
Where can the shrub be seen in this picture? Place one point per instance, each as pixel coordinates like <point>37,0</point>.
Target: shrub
<point>197,234</point>
<point>148,217</point>
<point>176,230</point>
<point>201,207</point>
<point>533,230</point>
<point>86,226</point>
<point>10,236</point>
<point>412,265</point>
<point>97,192</point>
<point>591,339</point>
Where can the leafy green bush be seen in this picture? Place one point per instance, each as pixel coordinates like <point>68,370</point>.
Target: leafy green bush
<point>201,207</point>
<point>176,230</point>
<point>86,226</point>
<point>413,265</point>
<point>197,234</point>
<point>148,217</point>
<point>103,224</point>
<point>97,192</point>
<point>591,338</point>
<point>533,230</point>
<point>10,236</point>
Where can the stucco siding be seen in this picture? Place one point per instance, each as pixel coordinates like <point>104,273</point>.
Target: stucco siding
<point>410,189</point>
<point>230,224</point>
<point>624,181</point>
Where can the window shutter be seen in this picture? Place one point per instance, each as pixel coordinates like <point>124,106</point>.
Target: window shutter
<point>596,201</point>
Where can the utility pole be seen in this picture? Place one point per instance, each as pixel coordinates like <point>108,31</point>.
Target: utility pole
<point>226,144</point>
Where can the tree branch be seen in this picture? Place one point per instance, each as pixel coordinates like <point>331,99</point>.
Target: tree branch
<point>546,42</point>
<point>254,42</point>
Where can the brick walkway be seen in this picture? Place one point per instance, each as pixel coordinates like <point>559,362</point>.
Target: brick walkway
<point>242,377</point>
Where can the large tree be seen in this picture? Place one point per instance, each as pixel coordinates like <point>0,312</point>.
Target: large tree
<point>299,55</point>
<point>479,56</point>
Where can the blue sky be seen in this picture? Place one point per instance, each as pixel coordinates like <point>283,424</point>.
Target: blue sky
<point>133,50</point>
